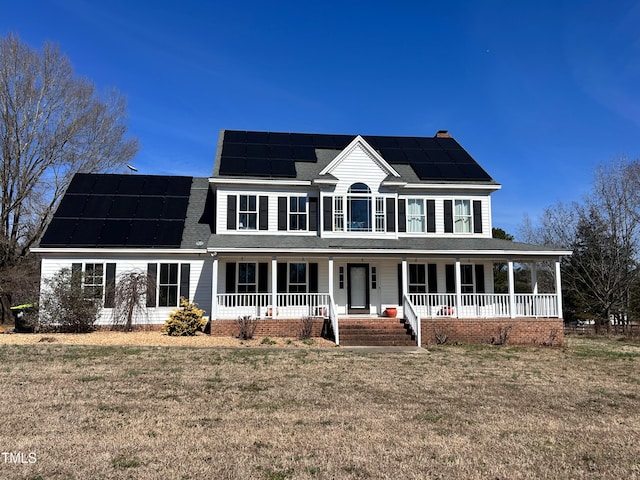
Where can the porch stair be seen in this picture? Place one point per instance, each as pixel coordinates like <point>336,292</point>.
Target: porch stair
<point>375,332</point>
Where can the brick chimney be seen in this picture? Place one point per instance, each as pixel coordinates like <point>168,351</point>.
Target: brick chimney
<point>443,134</point>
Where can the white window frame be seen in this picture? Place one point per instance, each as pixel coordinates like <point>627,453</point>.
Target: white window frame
<point>380,217</point>
<point>413,218</point>
<point>460,220</point>
<point>248,213</point>
<point>247,286</point>
<point>93,285</point>
<point>418,287</point>
<point>298,214</point>
<point>298,284</point>
<point>338,214</point>
<point>168,285</point>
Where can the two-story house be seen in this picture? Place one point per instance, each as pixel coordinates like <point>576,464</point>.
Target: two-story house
<point>335,227</point>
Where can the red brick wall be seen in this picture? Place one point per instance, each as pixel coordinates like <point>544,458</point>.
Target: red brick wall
<point>267,328</point>
<point>521,331</point>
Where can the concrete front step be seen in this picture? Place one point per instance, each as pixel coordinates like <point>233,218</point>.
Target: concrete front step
<point>375,332</point>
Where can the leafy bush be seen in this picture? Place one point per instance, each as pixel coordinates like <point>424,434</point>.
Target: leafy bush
<point>185,321</point>
<point>66,306</point>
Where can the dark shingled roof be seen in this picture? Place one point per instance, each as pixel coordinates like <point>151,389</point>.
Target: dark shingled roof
<point>111,210</point>
<point>280,155</point>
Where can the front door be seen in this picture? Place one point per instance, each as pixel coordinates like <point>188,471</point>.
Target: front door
<point>358,287</point>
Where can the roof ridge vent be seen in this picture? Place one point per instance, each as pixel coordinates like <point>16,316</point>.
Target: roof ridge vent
<point>443,134</point>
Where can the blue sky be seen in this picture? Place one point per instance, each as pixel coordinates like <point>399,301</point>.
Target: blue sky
<point>538,92</point>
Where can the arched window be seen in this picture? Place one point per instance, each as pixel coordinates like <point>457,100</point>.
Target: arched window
<point>359,208</point>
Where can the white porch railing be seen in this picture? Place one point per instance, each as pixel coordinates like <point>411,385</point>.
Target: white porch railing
<point>289,305</point>
<point>413,318</point>
<point>484,305</point>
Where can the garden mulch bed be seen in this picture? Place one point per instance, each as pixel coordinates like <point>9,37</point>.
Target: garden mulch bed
<point>156,338</point>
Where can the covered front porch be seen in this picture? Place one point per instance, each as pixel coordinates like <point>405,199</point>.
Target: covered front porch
<point>342,287</point>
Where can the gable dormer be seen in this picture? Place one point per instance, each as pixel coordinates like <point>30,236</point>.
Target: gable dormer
<point>358,162</point>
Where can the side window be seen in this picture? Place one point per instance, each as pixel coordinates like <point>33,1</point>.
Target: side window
<point>248,212</point>
<point>297,213</point>
<point>168,285</point>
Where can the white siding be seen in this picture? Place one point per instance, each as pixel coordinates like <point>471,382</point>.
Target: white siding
<point>358,166</point>
<point>199,280</point>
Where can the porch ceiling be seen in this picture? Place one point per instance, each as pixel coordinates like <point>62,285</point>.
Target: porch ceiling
<point>443,247</point>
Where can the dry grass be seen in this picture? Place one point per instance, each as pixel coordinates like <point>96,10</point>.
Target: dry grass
<point>190,413</point>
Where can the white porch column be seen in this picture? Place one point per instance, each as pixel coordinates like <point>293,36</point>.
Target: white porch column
<point>559,288</point>
<point>534,277</point>
<point>458,287</point>
<point>274,286</point>
<point>512,291</point>
<point>213,315</point>
<point>405,277</point>
<point>330,277</point>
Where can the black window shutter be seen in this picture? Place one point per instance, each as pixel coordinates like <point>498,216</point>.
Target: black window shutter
<point>432,278</point>
<point>263,213</point>
<point>327,212</point>
<point>313,214</point>
<point>152,278</point>
<point>431,216</point>
<point>448,216</point>
<point>282,278</point>
<point>282,213</point>
<point>263,275</point>
<point>477,216</point>
<point>231,212</point>
<point>479,278</point>
<point>313,278</point>
<point>110,286</point>
<point>185,271</point>
<point>450,274</point>
<point>400,284</point>
<point>391,214</point>
<point>402,215</point>
<point>230,278</point>
<point>76,276</point>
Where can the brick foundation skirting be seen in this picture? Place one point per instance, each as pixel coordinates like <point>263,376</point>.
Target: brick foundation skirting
<point>518,331</point>
<point>266,327</point>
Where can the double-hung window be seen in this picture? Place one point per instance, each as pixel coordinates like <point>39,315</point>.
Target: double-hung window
<point>417,278</point>
<point>168,285</point>
<point>297,213</point>
<point>248,212</point>
<point>93,281</point>
<point>297,277</point>
<point>247,278</point>
<point>462,216</point>
<point>416,215</point>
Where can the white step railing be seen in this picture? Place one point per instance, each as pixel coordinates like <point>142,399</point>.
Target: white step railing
<point>413,318</point>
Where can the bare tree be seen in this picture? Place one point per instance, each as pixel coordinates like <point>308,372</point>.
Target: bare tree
<point>130,298</point>
<point>52,125</point>
<point>604,233</point>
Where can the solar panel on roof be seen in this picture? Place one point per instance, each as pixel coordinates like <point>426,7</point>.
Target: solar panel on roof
<point>474,172</point>
<point>179,186</point>
<point>279,139</point>
<point>258,166</point>
<point>428,143</point>
<point>233,166</point>
<point>304,154</point>
<point>106,184</point>
<point>302,139</point>
<point>71,206</point>
<point>58,232</point>
<point>155,186</point>
<point>123,207</point>
<point>259,151</point>
<point>114,232</point>
<point>382,142</point>
<point>235,136</point>
<point>169,233</point>
<point>448,143</point>
<point>175,208</point>
<point>150,207</point>
<point>407,142</point>
<point>438,156</point>
<point>87,232</point>
<point>97,206</point>
<point>416,156</point>
<point>142,233</point>
<point>281,151</point>
<point>82,183</point>
<point>283,168</point>
<point>234,150</point>
<point>393,155</point>
<point>259,138</point>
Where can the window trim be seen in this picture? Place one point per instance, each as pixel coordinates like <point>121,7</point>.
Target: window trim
<point>248,212</point>
<point>462,219</point>
<point>243,287</point>
<point>168,285</point>
<point>298,284</point>
<point>93,285</point>
<point>297,213</point>
<point>412,216</point>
